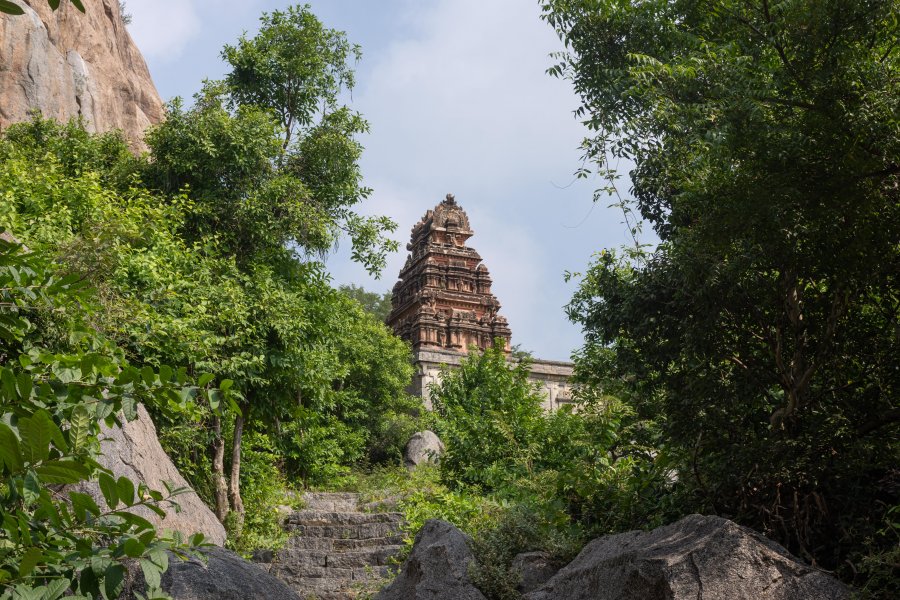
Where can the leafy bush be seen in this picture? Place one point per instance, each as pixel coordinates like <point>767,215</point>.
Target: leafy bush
<point>265,490</point>
<point>55,393</point>
<point>489,415</point>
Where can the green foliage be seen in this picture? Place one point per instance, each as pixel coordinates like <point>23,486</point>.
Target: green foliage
<point>521,528</point>
<point>294,67</point>
<point>379,305</point>
<point>55,391</point>
<point>759,338</point>
<point>172,292</point>
<point>264,489</point>
<point>421,495</point>
<point>489,413</point>
<point>12,8</point>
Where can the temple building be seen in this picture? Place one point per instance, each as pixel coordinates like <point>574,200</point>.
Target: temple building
<point>443,305</point>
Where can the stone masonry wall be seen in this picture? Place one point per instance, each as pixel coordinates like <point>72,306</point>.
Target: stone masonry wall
<point>552,376</point>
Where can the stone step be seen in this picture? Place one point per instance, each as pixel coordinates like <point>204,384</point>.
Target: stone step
<point>319,517</point>
<point>336,551</point>
<point>331,501</point>
<point>347,532</point>
<point>329,544</point>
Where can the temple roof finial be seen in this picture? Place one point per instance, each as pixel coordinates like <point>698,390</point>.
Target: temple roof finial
<point>450,199</point>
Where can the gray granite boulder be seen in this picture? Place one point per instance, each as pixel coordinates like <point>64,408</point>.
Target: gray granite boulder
<point>532,569</point>
<point>423,447</point>
<point>437,568</point>
<point>134,451</point>
<point>224,576</point>
<point>697,557</point>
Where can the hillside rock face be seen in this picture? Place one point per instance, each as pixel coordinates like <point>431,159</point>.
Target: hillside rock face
<point>133,451</point>
<point>67,64</point>
<point>697,557</point>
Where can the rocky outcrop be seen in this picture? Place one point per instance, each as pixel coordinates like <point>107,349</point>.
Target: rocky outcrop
<point>133,451</point>
<point>423,447</point>
<point>222,575</point>
<point>532,570</point>
<point>437,568</point>
<point>699,557</point>
<point>68,64</point>
<point>335,552</point>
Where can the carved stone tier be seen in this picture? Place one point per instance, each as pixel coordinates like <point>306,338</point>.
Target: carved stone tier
<point>443,298</point>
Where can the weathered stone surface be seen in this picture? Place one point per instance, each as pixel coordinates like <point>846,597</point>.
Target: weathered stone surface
<point>699,557</point>
<point>133,451</point>
<point>423,447</point>
<point>68,64</point>
<point>533,569</point>
<point>437,569</point>
<point>225,576</point>
<point>335,552</point>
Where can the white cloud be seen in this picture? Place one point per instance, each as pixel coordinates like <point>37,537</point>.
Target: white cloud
<point>162,28</point>
<point>461,103</point>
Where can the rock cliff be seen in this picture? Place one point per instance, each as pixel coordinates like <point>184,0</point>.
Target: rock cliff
<point>68,64</point>
<point>134,451</point>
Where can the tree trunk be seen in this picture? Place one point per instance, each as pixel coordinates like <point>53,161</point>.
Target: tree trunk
<point>234,490</point>
<point>218,467</point>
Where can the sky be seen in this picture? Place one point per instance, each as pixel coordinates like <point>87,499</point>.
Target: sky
<point>459,102</point>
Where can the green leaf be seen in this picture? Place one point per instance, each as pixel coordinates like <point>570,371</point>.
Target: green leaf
<point>79,427</point>
<point>54,4</point>
<point>139,523</point>
<point>8,381</point>
<point>9,449</point>
<point>148,375</point>
<point>25,385</point>
<point>152,573</point>
<point>225,385</point>
<point>126,490</point>
<point>83,504</point>
<point>29,561</point>
<point>78,4</point>
<point>62,471</point>
<point>205,379</point>
<point>10,8</point>
<point>113,581</point>
<point>31,488</point>
<point>109,490</point>
<point>133,548</point>
<point>37,431</point>
<point>55,589</point>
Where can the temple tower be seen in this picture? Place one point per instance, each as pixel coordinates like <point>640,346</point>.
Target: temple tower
<point>443,299</point>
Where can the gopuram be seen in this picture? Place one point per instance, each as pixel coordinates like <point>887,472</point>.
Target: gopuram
<point>443,305</point>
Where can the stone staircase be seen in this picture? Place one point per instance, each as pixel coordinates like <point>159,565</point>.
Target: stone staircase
<point>336,551</point>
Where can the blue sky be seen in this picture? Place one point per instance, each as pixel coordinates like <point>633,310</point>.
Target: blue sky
<point>459,102</point>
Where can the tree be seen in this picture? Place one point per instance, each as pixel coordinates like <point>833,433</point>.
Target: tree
<point>294,66</point>
<point>761,331</point>
<point>378,305</point>
<point>489,412</point>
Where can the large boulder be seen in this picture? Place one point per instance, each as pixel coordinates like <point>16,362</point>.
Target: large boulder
<point>437,568</point>
<point>223,575</point>
<point>697,557</point>
<point>532,570</point>
<point>69,64</point>
<point>423,447</point>
<point>133,451</point>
